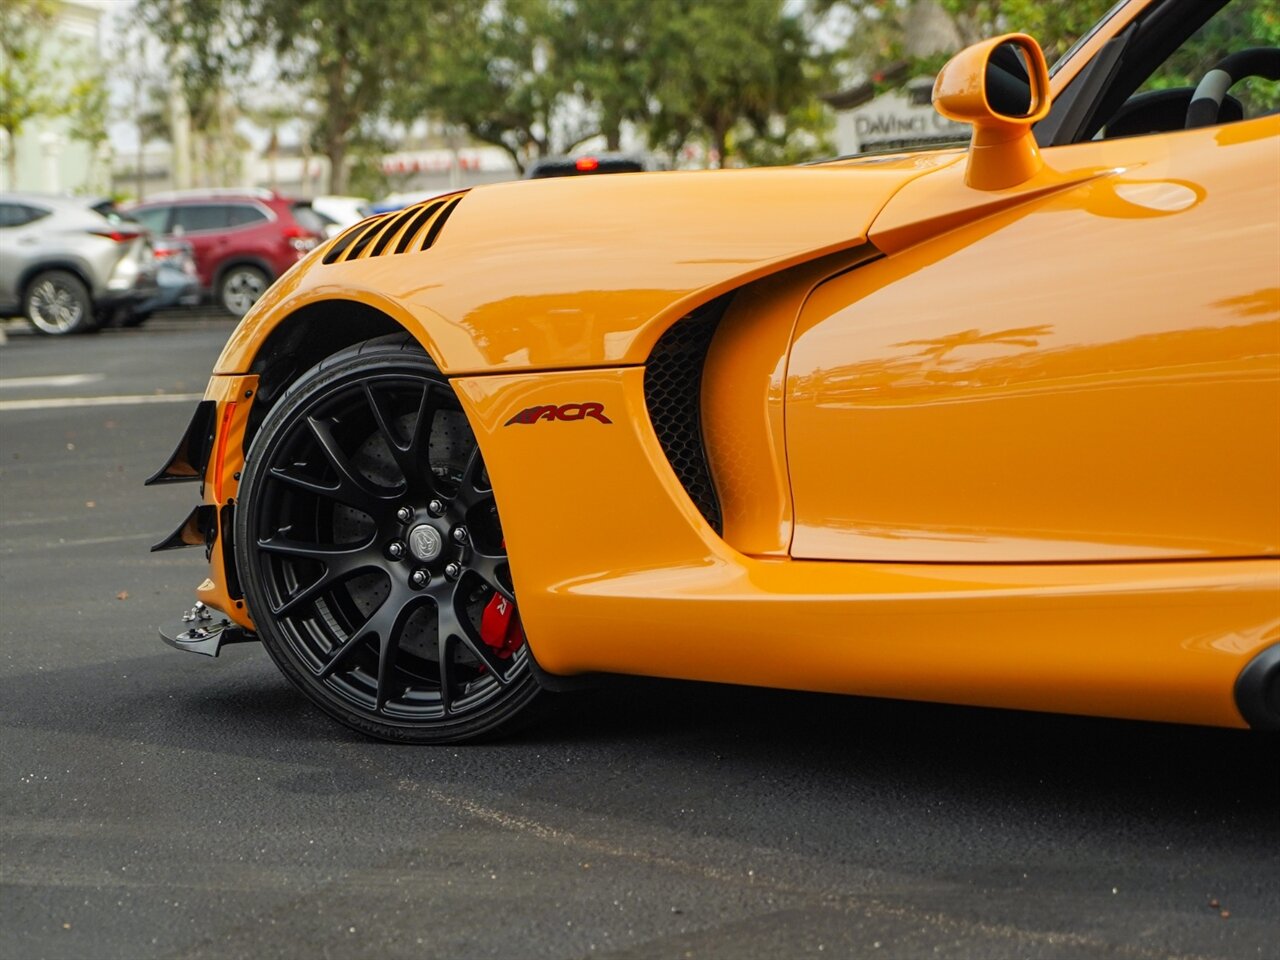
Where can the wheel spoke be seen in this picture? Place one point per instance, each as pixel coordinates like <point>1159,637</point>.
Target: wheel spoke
<point>390,630</point>
<point>336,658</point>
<point>453,625</point>
<point>354,488</point>
<point>410,454</point>
<point>445,647</point>
<point>486,566</point>
<point>336,571</point>
<point>469,490</point>
<point>328,553</point>
<point>331,490</point>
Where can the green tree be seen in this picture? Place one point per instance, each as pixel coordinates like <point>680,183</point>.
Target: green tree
<point>1244,23</point>
<point>1056,24</point>
<point>730,73</point>
<point>88,110</point>
<point>28,86</point>
<point>350,58</point>
<point>605,48</point>
<point>207,54</point>
<point>506,77</point>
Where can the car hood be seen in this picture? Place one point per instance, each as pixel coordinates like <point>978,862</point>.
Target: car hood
<point>588,271</point>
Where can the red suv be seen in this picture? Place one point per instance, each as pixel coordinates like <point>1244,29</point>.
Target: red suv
<point>242,240</point>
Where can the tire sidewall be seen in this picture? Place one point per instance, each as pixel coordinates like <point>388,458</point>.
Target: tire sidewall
<point>382,355</point>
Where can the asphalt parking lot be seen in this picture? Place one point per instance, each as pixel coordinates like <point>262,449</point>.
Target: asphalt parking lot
<point>158,804</point>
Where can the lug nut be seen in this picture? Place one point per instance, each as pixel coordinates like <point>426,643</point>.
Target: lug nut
<point>404,514</point>
<point>395,549</point>
<point>420,577</point>
<point>453,570</point>
<point>435,508</point>
<point>460,534</point>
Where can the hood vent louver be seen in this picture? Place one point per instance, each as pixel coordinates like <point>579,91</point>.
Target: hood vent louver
<point>404,231</point>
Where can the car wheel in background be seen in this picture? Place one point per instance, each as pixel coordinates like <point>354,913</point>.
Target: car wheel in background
<point>240,288</point>
<point>371,553</point>
<point>58,303</point>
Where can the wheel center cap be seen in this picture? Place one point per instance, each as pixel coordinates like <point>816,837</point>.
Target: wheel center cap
<point>425,542</point>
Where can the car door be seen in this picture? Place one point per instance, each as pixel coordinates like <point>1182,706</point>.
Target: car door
<point>20,239</point>
<point>204,226</point>
<point>1083,368</point>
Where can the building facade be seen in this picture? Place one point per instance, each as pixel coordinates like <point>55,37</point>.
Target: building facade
<point>47,157</point>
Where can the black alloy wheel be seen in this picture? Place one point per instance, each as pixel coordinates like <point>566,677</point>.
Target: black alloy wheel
<point>372,556</point>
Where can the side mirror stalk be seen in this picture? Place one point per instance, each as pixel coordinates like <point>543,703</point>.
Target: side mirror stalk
<point>975,88</point>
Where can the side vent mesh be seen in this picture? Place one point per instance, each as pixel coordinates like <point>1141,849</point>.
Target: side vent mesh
<point>673,394</point>
<point>404,231</point>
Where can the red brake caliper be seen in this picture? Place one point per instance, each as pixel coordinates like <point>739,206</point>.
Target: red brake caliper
<point>500,625</point>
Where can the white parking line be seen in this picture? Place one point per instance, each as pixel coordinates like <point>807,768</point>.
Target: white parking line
<point>63,403</point>
<point>62,380</point>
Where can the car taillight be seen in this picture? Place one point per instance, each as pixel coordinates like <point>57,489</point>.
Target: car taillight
<point>587,164</point>
<point>301,240</point>
<point>119,236</point>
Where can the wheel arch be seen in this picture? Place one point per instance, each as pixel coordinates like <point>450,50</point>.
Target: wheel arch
<point>241,260</point>
<point>44,266</point>
<point>305,337</point>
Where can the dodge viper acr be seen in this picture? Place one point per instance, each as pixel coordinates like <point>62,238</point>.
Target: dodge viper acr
<point>996,425</point>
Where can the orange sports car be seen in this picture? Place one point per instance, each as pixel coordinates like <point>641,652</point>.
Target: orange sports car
<point>996,425</point>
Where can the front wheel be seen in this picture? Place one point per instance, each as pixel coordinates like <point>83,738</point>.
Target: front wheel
<point>372,555</point>
<point>240,288</point>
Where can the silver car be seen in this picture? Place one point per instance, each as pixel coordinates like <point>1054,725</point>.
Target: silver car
<point>68,267</point>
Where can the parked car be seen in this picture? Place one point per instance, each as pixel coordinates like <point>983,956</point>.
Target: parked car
<point>994,426</point>
<point>68,267</point>
<point>591,164</point>
<point>178,284</point>
<point>340,212</point>
<point>398,201</point>
<point>242,239</point>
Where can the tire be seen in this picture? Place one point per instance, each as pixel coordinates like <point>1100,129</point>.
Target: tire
<point>57,303</point>
<point>358,482</point>
<point>239,288</point>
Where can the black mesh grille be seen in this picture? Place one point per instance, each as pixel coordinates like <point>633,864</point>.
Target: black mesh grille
<point>673,393</point>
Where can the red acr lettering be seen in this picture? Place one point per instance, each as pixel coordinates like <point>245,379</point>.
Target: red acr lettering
<point>566,411</point>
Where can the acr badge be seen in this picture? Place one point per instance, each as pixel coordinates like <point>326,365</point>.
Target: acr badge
<point>566,411</point>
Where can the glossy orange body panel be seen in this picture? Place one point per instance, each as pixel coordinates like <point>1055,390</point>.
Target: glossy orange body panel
<point>744,386</point>
<point>234,398</point>
<point>588,271</point>
<point>1014,447</point>
<point>1009,421</point>
<point>654,591</point>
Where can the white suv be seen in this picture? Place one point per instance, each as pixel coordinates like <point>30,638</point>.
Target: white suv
<point>68,266</point>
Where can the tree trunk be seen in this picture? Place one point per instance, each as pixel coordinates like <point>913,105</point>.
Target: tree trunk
<point>719,142</point>
<point>336,151</point>
<point>612,132</point>
<point>308,190</point>
<point>11,158</point>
